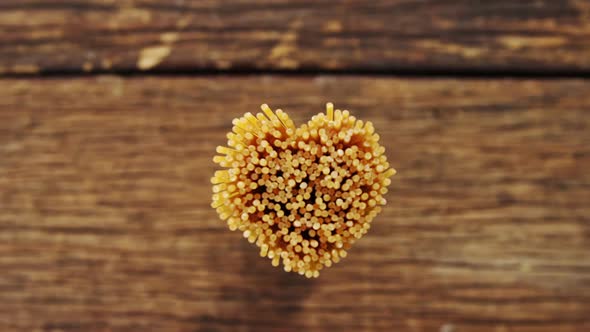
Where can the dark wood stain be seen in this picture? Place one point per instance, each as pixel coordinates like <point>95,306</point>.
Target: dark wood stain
<point>254,35</point>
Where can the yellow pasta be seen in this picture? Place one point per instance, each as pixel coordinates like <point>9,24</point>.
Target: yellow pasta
<point>302,195</point>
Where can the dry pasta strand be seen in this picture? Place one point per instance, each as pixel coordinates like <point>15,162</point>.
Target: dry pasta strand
<point>302,195</point>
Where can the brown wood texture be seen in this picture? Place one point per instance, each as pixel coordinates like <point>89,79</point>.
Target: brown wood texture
<point>343,35</point>
<point>105,222</point>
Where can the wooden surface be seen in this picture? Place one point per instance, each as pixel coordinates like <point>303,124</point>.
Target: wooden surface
<point>344,35</point>
<point>105,222</point>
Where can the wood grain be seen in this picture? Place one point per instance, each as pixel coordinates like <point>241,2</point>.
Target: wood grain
<point>105,222</point>
<point>344,35</point>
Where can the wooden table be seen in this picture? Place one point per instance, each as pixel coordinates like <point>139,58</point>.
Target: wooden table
<point>110,112</point>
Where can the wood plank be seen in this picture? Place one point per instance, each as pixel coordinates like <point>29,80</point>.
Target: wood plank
<point>105,222</point>
<point>384,35</point>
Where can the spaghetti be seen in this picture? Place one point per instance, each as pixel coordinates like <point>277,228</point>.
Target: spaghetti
<point>302,195</point>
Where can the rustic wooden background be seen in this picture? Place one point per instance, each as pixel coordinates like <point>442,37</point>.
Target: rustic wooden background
<point>110,112</point>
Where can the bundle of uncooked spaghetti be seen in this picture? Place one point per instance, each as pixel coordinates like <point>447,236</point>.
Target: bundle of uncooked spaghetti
<point>302,195</point>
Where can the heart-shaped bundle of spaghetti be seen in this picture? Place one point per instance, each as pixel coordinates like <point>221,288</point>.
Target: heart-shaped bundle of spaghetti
<point>303,195</point>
